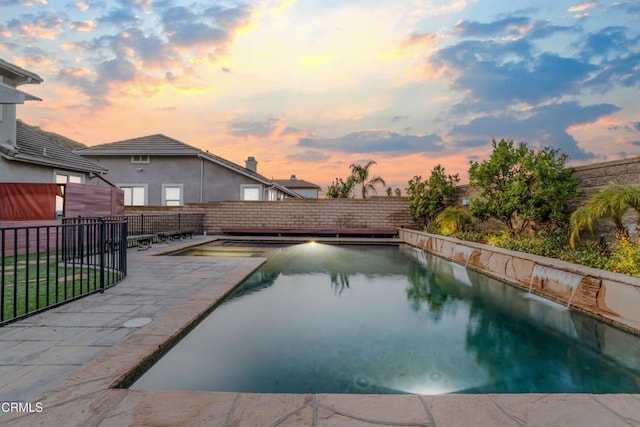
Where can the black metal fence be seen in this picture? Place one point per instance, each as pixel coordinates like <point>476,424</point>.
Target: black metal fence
<point>46,266</point>
<point>160,223</point>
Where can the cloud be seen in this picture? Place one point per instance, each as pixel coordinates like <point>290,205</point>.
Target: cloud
<point>22,2</point>
<point>514,26</point>
<point>309,156</point>
<point>376,141</point>
<point>271,127</point>
<point>32,27</point>
<point>541,126</point>
<point>609,41</point>
<point>118,18</point>
<point>636,126</point>
<point>83,25</point>
<point>420,39</point>
<point>582,7</point>
<point>214,25</point>
<point>494,75</point>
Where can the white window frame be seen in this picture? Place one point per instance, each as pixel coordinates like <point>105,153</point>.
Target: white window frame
<point>146,193</point>
<point>164,194</point>
<point>63,177</point>
<point>244,187</point>
<point>140,158</point>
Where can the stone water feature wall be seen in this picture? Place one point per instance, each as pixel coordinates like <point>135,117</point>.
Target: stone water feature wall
<point>611,296</point>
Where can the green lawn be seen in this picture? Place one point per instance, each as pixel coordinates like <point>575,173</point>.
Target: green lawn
<point>28,284</point>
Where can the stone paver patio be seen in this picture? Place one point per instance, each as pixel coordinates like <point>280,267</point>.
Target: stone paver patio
<point>69,359</point>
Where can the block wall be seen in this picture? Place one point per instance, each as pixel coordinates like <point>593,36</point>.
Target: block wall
<point>376,212</point>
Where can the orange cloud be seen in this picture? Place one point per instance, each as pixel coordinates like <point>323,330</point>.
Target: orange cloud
<point>582,7</point>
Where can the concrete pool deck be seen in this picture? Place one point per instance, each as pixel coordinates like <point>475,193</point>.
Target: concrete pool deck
<point>66,361</point>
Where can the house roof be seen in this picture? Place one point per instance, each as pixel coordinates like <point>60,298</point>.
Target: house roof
<point>33,147</point>
<point>162,145</point>
<point>297,184</point>
<point>17,74</point>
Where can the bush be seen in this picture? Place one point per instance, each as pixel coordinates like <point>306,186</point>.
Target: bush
<point>472,236</point>
<point>625,259</point>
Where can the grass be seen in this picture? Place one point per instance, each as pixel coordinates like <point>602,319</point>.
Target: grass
<point>30,283</point>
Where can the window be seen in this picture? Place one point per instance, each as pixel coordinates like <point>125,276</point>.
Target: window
<point>139,158</point>
<point>134,195</point>
<point>172,194</point>
<point>63,178</point>
<point>250,192</point>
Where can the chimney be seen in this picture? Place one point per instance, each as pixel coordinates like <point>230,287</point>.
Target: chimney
<point>293,178</point>
<point>251,164</point>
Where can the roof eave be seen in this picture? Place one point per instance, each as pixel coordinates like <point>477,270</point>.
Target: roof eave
<point>26,158</point>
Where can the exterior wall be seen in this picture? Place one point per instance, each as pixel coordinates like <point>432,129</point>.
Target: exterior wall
<point>612,296</point>
<point>377,212</point>
<point>201,180</point>
<point>14,171</point>
<point>7,125</point>
<point>308,193</point>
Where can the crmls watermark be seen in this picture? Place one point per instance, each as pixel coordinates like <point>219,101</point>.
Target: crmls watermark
<point>20,407</point>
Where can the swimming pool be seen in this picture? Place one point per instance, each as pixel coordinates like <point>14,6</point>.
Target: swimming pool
<point>317,318</point>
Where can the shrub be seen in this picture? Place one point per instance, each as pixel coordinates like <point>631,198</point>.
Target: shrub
<point>452,220</point>
<point>625,259</point>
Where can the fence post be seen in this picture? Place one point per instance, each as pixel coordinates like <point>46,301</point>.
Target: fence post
<point>142,229</point>
<point>103,234</point>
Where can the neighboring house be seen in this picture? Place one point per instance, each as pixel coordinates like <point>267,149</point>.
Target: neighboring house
<point>157,170</point>
<point>26,155</point>
<point>304,188</point>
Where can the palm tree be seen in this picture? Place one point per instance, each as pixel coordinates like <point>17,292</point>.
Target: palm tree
<point>360,175</point>
<point>611,202</point>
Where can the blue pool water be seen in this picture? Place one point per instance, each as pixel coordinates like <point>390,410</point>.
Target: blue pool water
<point>369,319</point>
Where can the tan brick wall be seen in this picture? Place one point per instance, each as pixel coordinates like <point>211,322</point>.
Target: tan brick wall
<point>376,212</point>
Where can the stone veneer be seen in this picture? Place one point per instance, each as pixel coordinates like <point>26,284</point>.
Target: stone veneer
<point>612,297</point>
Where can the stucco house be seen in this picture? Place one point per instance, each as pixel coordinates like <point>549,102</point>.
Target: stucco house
<point>157,170</point>
<point>29,156</point>
<point>306,189</point>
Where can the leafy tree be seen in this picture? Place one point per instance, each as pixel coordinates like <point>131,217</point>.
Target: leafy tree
<point>360,176</point>
<point>611,202</point>
<point>398,192</point>
<point>340,189</point>
<point>521,187</point>
<point>389,191</point>
<point>428,198</point>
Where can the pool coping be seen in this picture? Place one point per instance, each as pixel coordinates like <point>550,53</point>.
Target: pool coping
<point>90,395</point>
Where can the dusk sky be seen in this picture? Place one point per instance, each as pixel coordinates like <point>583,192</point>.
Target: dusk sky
<point>310,86</point>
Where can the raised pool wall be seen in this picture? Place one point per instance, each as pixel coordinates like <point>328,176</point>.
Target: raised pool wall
<point>613,297</point>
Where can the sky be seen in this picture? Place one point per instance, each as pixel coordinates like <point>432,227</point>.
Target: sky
<point>309,87</point>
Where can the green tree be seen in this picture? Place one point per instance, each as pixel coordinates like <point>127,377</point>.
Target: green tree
<point>398,192</point>
<point>360,176</point>
<point>521,187</point>
<point>389,191</point>
<point>428,198</point>
<point>340,189</point>
<point>612,203</point>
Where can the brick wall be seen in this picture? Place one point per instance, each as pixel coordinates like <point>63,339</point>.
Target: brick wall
<point>376,212</point>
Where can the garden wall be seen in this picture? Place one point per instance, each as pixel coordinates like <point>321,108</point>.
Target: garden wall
<point>611,296</point>
<point>376,212</point>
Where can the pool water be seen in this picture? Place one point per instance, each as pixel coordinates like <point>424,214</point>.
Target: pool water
<point>384,319</point>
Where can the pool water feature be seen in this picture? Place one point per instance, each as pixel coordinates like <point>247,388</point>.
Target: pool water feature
<point>317,318</point>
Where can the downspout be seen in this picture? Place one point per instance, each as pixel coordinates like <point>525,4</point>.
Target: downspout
<point>201,179</point>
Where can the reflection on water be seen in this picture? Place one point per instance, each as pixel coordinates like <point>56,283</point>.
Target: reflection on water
<point>371,319</point>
